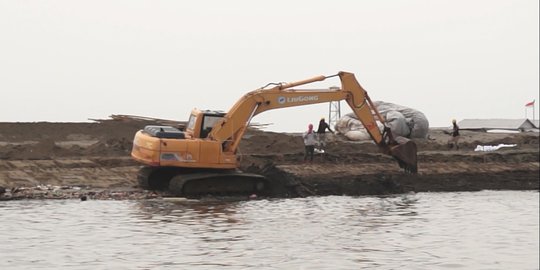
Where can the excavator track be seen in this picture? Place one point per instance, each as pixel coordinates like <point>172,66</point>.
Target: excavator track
<point>197,183</point>
<point>218,184</point>
<point>155,178</point>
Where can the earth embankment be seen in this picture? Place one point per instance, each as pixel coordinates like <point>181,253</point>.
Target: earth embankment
<point>55,158</point>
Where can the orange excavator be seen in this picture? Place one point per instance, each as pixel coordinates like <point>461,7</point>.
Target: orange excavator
<point>202,158</point>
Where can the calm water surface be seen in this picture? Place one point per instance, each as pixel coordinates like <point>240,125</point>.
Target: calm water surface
<point>470,230</point>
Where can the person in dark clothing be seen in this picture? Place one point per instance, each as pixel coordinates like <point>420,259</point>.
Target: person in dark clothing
<point>321,133</point>
<point>453,141</point>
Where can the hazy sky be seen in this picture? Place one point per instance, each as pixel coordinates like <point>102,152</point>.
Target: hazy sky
<point>73,60</point>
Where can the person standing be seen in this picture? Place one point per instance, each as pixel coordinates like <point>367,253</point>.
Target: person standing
<point>453,141</point>
<point>321,133</point>
<point>309,143</point>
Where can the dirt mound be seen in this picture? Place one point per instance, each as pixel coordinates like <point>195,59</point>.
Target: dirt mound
<point>259,142</point>
<point>110,147</point>
<point>20,132</point>
<point>45,140</point>
<point>44,149</point>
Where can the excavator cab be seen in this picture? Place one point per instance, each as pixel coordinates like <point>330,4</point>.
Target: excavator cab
<point>201,122</point>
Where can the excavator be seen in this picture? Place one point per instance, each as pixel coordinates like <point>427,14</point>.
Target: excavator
<point>202,158</point>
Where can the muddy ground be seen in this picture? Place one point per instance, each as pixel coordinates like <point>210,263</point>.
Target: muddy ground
<point>92,161</point>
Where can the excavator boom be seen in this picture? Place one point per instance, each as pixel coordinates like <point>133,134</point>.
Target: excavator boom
<point>231,128</point>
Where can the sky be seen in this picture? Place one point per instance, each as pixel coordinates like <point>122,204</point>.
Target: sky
<point>70,61</point>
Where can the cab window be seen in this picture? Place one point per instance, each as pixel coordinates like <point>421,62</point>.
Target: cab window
<point>208,123</point>
<point>191,122</point>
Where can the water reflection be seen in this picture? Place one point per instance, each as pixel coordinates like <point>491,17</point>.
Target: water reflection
<point>412,231</point>
<point>191,212</point>
<point>178,210</point>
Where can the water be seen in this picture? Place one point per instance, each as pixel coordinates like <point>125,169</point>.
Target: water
<point>469,230</point>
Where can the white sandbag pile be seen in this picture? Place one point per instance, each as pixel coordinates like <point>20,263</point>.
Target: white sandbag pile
<point>352,128</point>
<point>403,121</point>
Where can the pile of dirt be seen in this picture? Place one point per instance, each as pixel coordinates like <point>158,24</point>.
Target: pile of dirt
<point>43,140</point>
<point>37,131</point>
<point>50,149</point>
<point>111,147</point>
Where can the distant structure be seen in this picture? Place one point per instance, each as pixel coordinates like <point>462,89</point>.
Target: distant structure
<point>498,124</point>
<point>334,110</point>
<point>334,113</point>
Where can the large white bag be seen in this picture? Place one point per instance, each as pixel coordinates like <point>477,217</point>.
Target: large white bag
<point>403,121</point>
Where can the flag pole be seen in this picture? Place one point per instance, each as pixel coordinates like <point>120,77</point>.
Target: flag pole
<point>534,113</point>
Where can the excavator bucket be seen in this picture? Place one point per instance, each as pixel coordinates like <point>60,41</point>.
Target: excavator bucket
<point>405,154</point>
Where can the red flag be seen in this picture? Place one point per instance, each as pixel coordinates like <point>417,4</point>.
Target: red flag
<point>530,104</point>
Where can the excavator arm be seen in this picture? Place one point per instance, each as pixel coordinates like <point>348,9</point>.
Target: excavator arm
<point>230,129</point>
